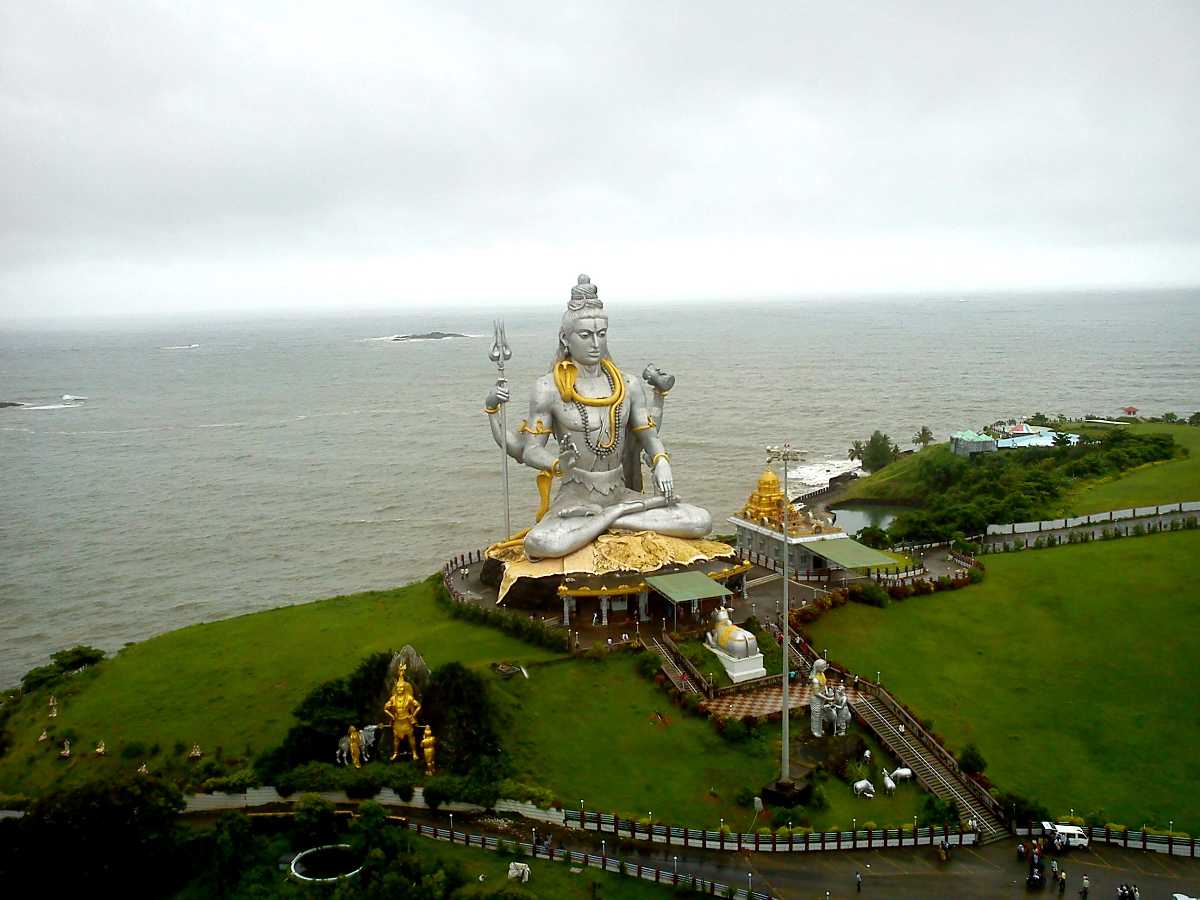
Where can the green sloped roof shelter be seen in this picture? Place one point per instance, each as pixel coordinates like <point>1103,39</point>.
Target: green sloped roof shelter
<point>684,587</point>
<point>850,554</point>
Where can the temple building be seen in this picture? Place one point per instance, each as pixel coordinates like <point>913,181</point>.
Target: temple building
<point>813,545</point>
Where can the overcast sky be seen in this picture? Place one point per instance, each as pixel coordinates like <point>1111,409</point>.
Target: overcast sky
<point>184,156</point>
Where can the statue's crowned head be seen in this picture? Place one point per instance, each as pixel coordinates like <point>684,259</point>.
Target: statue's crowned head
<point>583,335</point>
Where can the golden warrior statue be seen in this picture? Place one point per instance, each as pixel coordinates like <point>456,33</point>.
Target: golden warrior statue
<point>401,709</point>
<point>429,746</point>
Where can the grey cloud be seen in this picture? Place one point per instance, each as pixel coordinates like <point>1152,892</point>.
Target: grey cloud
<point>142,137</point>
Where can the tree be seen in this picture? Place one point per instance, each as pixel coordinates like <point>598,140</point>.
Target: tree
<point>1170,417</point>
<point>459,705</point>
<point>1039,418</point>
<point>879,451</point>
<point>1194,418</point>
<point>923,437</point>
<point>1062,439</point>
<point>233,845</point>
<point>971,760</point>
<point>856,450</point>
<point>107,832</point>
<point>314,820</point>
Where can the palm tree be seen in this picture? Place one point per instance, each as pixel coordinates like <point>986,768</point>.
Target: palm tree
<point>923,437</point>
<point>856,450</point>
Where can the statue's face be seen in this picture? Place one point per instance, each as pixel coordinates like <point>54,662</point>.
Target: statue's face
<point>587,341</point>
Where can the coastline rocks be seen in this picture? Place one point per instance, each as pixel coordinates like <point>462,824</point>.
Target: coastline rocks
<point>4,403</point>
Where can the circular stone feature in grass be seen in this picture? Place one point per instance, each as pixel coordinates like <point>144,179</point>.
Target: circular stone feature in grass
<point>326,863</point>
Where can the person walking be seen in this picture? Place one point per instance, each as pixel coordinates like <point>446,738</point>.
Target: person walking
<point>1083,891</point>
<point>1062,882</point>
<point>858,882</point>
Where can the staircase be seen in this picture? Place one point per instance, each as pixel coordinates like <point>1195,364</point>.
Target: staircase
<point>932,772</point>
<point>672,669</point>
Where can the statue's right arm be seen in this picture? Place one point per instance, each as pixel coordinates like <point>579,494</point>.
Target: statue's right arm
<point>541,417</point>
<point>512,441</point>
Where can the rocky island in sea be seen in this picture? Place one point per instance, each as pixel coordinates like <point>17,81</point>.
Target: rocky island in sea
<point>429,336</point>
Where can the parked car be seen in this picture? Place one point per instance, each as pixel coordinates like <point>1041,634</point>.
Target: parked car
<point>1069,835</point>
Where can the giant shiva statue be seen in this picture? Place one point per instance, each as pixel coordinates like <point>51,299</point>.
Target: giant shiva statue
<point>595,413</point>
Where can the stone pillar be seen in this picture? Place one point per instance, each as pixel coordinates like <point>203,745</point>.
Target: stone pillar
<point>643,601</point>
<point>567,611</point>
<point>603,610</point>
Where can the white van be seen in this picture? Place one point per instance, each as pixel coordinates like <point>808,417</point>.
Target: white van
<point>1073,835</point>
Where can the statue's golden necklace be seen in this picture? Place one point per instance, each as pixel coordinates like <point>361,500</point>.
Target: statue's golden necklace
<point>565,374</point>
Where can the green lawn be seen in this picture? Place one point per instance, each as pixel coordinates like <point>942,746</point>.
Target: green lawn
<point>233,684</point>
<point>1072,669</point>
<point>582,728</point>
<point>896,482</point>
<point>1164,482</point>
<point>589,730</point>
<point>547,879</point>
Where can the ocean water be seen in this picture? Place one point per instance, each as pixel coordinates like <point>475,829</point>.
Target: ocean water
<point>279,461</point>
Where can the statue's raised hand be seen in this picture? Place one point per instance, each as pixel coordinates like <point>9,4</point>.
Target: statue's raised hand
<point>663,480</point>
<point>497,395</point>
<point>568,456</point>
<point>658,379</point>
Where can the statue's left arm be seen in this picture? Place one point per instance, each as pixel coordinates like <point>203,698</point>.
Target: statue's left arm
<point>642,424</point>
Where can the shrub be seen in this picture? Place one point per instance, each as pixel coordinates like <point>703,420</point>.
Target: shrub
<point>818,800</point>
<point>971,760</point>
<point>39,677</point>
<point>235,783</point>
<point>311,777</point>
<point>442,789</point>
<point>401,780</point>
<point>648,664</point>
<point>974,575</point>
<point>360,784</point>
<point>313,820</point>
<point>133,750</point>
<point>735,731</point>
<point>744,797</point>
<point>871,594</point>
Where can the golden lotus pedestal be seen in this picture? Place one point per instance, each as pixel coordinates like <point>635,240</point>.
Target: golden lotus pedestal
<point>600,590</point>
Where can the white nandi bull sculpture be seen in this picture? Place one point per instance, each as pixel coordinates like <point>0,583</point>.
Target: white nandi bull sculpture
<point>864,788</point>
<point>902,774</point>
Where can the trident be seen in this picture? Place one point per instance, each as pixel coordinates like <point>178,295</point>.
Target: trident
<point>499,354</point>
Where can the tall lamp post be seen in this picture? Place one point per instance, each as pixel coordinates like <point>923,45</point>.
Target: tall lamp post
<point>785,455</point>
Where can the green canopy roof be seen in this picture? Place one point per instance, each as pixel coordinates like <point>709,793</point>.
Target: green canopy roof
<point>849,554</point>
<point>971,437</point>
<point>684,587</point>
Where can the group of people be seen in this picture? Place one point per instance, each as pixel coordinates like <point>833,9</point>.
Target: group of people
<point>1036,879</point>
<point>1128,892</point>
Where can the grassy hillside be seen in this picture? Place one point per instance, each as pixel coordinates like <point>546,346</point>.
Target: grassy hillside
<point>232,684</point>
<point>1072,669</point>
<point>1165,482</point>
<point>896,483</point>
<point>1155,483</point>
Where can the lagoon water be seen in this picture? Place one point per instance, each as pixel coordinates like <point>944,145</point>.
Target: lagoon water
<point>218,468</point>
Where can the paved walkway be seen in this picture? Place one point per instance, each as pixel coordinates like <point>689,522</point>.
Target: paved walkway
<point>904,874</point>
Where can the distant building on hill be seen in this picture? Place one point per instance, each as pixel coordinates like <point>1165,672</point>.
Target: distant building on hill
<point>968,443</point>
<point>1045,439</point>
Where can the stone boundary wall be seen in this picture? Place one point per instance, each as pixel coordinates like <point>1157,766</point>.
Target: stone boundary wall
<point>1136,840</point>
<point>1104,518</point>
